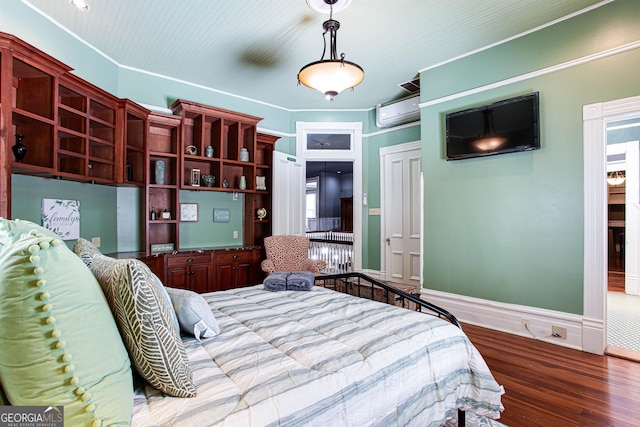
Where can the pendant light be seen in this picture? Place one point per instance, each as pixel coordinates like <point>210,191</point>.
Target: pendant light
<point>616,178</point>
<point>331,76</point>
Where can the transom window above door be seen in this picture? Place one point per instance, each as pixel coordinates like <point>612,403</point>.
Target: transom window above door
<point>328,141</point>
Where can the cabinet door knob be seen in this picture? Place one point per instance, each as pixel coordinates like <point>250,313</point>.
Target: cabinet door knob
<point>189,259</point>
<point>235,256</point>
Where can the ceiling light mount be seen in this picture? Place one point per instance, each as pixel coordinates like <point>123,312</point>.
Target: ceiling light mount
<point>322,6</point>
<point>330,76</point>
<point>80,5</point>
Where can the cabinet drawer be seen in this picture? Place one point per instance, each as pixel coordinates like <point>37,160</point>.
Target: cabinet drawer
<point>231,256</point>
<point>186,259</point>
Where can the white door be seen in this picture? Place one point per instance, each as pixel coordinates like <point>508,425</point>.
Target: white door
<point>288,204</point>
<point>401,215</point>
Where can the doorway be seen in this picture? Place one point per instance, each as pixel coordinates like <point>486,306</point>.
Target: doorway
<point>623,217</point>
<point>334,145</point>
<point>329,197</point>
<point>596,118</point>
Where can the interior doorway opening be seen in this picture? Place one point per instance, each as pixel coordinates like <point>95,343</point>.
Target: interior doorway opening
<point>329,213</point>
<point>623,239</point>
<point>329,197</point>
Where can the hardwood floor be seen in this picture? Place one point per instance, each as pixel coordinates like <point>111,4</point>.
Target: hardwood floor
<point>616,281</point>
<point>548,385</point>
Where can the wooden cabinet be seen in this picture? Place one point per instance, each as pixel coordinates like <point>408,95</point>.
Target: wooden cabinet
<point>235,268</point>
<point>163,144</point>
<point>131,164</point>
<point>67,124</point>
<point>208,270</point>
<point>85,132</point>
<point>227,133</point>
<point>190,271</point>
<point>257,228</point>
<point>77,131</point>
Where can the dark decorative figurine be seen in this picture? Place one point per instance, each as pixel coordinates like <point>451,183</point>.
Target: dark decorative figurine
<point>19,149</point>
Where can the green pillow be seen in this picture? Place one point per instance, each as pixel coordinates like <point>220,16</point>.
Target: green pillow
<point>59,344</point>
<point>145,321</point>
<point>12,230</point>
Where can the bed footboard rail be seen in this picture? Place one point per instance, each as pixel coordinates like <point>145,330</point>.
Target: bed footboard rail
<point>364,286</point>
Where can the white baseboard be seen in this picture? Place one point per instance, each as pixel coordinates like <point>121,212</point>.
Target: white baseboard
<point>508,317</point>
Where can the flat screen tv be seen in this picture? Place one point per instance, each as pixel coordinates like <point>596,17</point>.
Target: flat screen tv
<point>505,126</point>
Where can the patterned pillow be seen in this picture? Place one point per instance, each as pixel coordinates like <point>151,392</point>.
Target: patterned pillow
<point>144,319</point>
<point>85,250</point>
<point>59,343</point>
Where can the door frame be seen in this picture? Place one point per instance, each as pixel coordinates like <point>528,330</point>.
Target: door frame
<point>353,155</point>
<point>384,151</point>
<point>595,119</point>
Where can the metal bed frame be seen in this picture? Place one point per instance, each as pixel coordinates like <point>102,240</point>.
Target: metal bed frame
<point>363,286</point>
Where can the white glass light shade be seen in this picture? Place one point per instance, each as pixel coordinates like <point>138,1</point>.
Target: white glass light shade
<point>616,178</point>
<point>331,77</point>
<point>489,143</point>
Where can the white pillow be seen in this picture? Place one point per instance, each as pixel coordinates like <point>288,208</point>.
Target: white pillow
<point>194,314</point>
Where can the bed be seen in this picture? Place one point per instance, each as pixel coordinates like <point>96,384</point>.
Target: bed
<point>326,358</point>
<point>79,330</point>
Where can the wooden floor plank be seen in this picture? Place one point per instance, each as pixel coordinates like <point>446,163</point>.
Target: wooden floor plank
<point>549,385</point>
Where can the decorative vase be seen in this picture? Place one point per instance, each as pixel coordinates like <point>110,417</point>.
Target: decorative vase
<point>208,180</point>
<point>243,183</point>
<point>208,151</point>
<point>19,149</point>
<point>244,155</point>
<point>160,172</point>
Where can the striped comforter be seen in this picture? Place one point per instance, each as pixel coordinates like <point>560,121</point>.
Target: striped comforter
<point>323,358</point>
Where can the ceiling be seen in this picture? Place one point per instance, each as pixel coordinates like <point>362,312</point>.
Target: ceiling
<point>254,49</point>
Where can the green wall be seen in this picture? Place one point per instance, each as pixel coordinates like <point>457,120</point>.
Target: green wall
<point>205,233</point>
<point>509,228</point>
<point>98,205</point>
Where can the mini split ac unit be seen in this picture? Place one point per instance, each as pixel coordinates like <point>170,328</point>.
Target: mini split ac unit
<point>399,112</point>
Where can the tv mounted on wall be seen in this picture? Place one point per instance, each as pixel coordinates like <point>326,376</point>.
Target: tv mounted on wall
<point>506,126</point>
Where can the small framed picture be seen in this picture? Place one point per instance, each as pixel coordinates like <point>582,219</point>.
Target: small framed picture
<point>221,215</point>
<point>261,183</point>
<point>188,212</point>
<point>195,177</point>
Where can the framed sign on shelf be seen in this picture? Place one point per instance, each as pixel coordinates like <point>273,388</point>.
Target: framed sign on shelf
<point>195,177</point>
<point>188,212</point>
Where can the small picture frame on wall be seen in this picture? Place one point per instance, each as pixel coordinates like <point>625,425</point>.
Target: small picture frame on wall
<point>188,212</point>
<point>195,177</point>
<point>221,215</point>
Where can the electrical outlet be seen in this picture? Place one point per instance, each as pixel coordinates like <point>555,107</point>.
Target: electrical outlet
<point>235,234</point>
<point>526,324</point>
<point>559,332</point>
<point>95,241</point>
